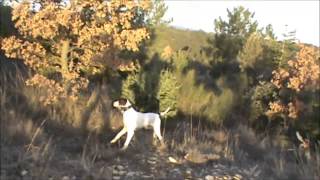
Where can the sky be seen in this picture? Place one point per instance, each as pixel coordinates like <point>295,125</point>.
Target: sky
<point>302,16</point>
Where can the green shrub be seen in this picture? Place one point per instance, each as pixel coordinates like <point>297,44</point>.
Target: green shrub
<point>259,98</point>
<point>180,61</point>
<point>198,101</point>
<point>220,106</point>
<point>168,92</point>
<point>192,99</point>
<point>129,85</point>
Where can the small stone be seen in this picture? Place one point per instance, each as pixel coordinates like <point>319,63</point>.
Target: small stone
<point>121,172</point>
<point>116,177</point>
<point>24,172</point>
<point>146,176</point>
<point>151,162</point>
<point>227,177</point>
<point>172,160</point>
<point>120,167</point>
<point>65,178</point>
<point>188,171</point>
<point>153,158</point>
<point>209,177</point>
<point>131,173</point>
<point>237,176</point>
<point>114,171</point>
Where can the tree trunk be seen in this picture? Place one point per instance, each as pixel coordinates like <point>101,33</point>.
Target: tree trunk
<point>64,56</point>
<point>64,60</point>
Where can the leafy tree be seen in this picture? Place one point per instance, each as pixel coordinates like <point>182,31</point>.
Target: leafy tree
<point>269,34</point>
<point>63,41</point>
<point>231,35</point>
<point>251,52</point>
<point>297,85</point>
<point>158,11</point>
<point>239,23</point>
<point>259,56</point>
<point>288,46</point>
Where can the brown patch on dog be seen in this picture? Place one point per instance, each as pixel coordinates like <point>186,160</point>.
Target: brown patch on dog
<point>122,101</point>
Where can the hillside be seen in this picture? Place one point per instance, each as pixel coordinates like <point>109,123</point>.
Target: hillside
<point>178,38</point>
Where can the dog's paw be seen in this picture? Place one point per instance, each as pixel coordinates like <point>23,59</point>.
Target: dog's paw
<point>124,148</point>
<point>113,141</point>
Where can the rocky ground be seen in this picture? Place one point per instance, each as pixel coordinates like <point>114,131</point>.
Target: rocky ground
<point>198,154</point>
<point>71,160</point>
<point>151,166</point>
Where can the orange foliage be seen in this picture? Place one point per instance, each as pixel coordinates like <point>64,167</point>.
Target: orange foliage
<point>302,73</point>
<point>32,53</point>
<point>167,52</point>
<point>52,93</point>
<point>67,38</point>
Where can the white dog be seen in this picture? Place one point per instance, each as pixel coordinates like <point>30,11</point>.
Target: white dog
<point>133,120</point>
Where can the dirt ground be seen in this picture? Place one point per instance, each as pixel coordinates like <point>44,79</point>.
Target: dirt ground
<point>76,158</point>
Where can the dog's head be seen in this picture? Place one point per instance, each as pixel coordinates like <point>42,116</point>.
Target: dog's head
<point>122,103</point>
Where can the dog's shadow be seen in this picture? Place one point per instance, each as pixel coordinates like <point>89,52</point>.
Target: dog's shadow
<point>142,141</point>
<point>144,138</point>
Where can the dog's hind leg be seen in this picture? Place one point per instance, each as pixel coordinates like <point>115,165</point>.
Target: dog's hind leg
<point>121,133</point>
<point>156,130</point>
<point>154,138</point>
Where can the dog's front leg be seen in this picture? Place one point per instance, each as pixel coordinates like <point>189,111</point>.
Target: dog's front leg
<point>121,133</point>
<point>129,137</point>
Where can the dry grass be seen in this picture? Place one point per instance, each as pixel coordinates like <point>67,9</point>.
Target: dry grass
<point>40,142</point>
<point>266,157</point>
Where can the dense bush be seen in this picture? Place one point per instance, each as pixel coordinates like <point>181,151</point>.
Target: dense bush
<point>259,100</point>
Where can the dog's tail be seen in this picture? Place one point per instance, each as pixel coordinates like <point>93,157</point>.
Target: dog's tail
<point>165,112</point>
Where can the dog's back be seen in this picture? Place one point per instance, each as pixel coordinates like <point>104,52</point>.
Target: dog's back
<point>141,120</point>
